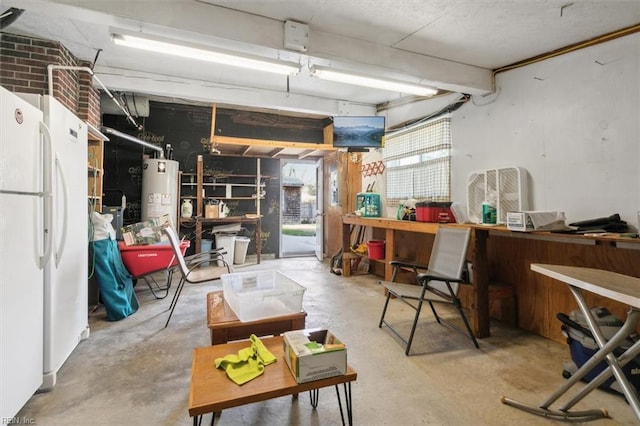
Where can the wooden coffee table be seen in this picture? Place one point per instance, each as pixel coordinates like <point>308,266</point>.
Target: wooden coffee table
<point>225,326</point>
<point>211,391</point>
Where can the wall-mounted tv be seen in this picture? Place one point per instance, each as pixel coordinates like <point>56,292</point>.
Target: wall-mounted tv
<point>358,132</point>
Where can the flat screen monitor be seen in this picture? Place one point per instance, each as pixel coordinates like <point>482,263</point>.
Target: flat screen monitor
<point>358,131</point>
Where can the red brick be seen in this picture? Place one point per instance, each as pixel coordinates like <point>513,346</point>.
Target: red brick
<point>33,63</point>
<point>9,52</point>
<point>13,67</point>
<point>30,76</point>
<point>30,48</point>
<point>7,45</point>
<point>25,66</point>
<point>13,81</point>
<point>29,90</point>
<point>49,59</point>
<point>45,43</point>
<point>15,38</point>
<point>40,85</point>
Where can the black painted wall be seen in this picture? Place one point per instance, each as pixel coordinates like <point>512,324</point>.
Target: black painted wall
<point>187,128</point>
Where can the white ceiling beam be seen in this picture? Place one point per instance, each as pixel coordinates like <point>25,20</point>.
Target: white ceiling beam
<point>364,56</point>
<point>236,30</point>
<point>203,91</point>
<point>188,15</point>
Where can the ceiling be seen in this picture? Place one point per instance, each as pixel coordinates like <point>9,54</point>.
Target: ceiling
<point>453,45</point>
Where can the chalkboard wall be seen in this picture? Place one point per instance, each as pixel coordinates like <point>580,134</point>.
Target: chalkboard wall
<point>187,129</point>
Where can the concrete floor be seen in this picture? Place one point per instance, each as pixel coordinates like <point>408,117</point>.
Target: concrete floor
<point>136,372</point>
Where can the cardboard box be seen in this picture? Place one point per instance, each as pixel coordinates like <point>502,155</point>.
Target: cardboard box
<point>535,221</point>
<point>519,221</point>
<point>146,232</point>
<point>314,354</point>
<point>212,211</point>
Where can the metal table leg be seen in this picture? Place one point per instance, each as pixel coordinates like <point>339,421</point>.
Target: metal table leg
<point>314,394</point>
<point>604,353</point>
<point>348,402</point>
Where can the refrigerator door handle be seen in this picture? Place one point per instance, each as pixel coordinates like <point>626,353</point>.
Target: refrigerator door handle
<point>47,194</point>
<point>65,209</point>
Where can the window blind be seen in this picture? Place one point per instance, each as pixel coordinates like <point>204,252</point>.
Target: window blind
<point>418,161</point>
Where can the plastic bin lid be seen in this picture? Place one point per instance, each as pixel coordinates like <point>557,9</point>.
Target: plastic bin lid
<point>434,204</point>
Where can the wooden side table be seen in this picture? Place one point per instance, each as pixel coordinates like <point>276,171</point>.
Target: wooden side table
<point>211,391</point>
<point>225,326</point>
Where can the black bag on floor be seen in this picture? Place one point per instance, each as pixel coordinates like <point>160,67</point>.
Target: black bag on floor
<point>583,346</point>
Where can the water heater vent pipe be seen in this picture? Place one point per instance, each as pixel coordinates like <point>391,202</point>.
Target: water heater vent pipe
<point>119,134</point>
<point>52,67</point>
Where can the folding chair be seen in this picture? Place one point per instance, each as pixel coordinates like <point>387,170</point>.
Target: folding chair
<point>438,283</point>
<point>194,272</point>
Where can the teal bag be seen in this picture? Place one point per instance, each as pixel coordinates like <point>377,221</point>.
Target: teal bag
<point>114,281</point>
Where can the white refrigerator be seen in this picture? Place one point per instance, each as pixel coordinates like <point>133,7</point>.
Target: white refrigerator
<point>43,243</point>
<point>25,221</point>
<point>66,316</point>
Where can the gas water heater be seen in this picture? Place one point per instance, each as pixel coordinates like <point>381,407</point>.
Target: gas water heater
<point>159,189</point>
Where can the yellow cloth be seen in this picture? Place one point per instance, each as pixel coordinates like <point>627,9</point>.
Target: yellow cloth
<point>248,364</point>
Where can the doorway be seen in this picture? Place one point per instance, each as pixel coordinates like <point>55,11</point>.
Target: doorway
<point>301,183</point>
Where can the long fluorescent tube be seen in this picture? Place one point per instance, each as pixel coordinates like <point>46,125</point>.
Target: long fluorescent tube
<point>218,56</point>
<point>331,74</point>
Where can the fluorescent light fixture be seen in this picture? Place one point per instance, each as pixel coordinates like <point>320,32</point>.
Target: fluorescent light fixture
<point>192,51</point>
<point>357,79</point>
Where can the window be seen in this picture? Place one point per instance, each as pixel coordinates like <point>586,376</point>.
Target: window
<point>418,162</point>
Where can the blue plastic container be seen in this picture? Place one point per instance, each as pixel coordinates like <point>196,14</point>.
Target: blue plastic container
<point>368,204</point>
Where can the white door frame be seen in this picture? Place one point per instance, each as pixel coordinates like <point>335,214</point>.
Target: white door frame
<point>318,250</point>
<point>320,209</point>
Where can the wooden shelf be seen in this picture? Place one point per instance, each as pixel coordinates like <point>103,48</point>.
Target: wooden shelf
<point>193,197</point>
<point>202,186</point>
<point>198,220</point>
<point>95,171</point>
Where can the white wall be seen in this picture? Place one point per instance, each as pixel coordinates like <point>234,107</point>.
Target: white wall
<point>571,121</point>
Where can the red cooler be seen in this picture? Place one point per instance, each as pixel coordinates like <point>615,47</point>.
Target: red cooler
<point>434,212</point>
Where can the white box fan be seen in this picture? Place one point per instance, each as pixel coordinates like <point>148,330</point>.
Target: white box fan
<point>510,186</point>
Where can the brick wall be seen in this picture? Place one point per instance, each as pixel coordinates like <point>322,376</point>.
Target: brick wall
<point>291,207</point>
<point>88,98</point>
<point>23,68</point>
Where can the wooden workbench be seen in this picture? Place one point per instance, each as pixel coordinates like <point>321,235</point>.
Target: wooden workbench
<point>501,255</point>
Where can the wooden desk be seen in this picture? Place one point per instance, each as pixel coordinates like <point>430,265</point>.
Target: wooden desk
<point>505,256</point>
<point>198,223</point>
<point>224,325</point>
<point>618,287</point>
<point>211,391</point>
